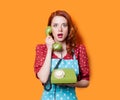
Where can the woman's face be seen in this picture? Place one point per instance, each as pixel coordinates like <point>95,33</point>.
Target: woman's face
<point>59,28</point>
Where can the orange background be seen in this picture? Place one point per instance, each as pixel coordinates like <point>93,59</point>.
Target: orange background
<point>22,27</point>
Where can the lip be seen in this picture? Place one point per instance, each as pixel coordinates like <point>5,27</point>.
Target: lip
<point>60,35</point>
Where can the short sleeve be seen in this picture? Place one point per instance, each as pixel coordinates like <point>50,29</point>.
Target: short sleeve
<point>40,57</point>
<point>83,63</point>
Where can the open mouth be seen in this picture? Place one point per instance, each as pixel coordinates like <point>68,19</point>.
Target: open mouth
<point>60,35</point>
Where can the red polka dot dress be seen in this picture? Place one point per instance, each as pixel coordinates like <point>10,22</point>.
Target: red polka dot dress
<point>80,55</point>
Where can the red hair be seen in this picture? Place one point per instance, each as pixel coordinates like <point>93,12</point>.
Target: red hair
<point>71,39</point>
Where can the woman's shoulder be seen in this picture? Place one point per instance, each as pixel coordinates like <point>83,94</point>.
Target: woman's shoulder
<point>80,47</point>
<point>41,47</point>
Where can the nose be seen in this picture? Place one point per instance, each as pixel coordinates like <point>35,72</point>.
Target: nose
<point>60,28</point>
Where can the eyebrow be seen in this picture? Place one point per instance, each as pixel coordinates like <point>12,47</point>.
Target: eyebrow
<point>61,23</point>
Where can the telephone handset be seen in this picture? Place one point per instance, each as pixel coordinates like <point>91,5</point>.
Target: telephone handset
<point>56,46</point>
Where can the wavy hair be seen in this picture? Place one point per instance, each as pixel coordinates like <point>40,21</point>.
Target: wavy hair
<point>71,39</point>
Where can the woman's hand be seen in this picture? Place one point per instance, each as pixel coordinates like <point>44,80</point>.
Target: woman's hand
<point>81,84</point>
<point>49,42</point>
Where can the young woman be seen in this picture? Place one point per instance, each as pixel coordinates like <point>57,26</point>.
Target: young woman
<point>63,32</point>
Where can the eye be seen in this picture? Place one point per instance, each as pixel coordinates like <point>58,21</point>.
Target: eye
<point>64,25</point>
<point>55,25</point>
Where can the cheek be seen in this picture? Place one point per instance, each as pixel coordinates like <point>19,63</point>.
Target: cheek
<point>54,30</point>
<point>54,33</point>
<point>66,32</point>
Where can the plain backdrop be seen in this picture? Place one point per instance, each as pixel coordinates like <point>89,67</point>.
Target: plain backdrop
<point>22,27</point>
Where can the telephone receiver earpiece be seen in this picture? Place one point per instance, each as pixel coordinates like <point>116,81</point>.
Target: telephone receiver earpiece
<point>56,46</point>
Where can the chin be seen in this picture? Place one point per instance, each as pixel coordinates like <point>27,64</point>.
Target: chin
<point>60,40</point>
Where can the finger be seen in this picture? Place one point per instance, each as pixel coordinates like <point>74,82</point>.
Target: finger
<point>49,36</point>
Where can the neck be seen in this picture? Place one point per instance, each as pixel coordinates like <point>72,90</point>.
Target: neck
<point>64,46</point>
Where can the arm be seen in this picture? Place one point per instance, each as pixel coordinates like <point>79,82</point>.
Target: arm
<point>44,61</point>
<point>83,78</point>
<point>44,72</point>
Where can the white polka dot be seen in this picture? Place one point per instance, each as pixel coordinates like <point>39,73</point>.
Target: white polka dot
<point>70,93</point>
<point>73,97</point>
<point>65,66</point>
<point>61,98</point>
<point>75,70</point>
<point>68,98</point>
<point>64,94</point>
<point>68,63</point>
<point>72,66</point>
<point>62,63</point>
<point>57,95</point>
